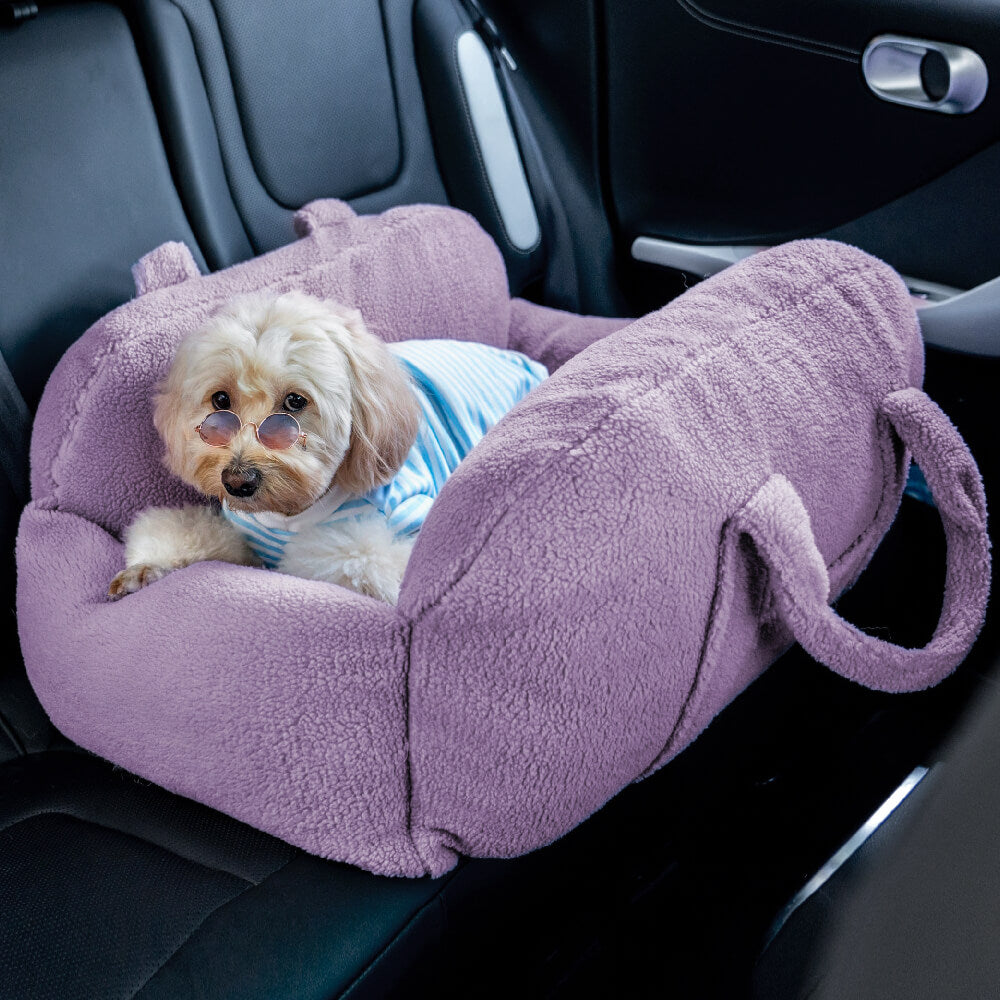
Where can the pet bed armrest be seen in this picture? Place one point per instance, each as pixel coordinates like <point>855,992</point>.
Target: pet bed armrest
<point>552,336</point>
<point>279,700</point>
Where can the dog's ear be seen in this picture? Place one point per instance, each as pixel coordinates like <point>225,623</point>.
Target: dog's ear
<point>168,418</point>
<point>385,414</point>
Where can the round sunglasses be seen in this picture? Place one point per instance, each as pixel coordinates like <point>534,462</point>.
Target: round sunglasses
<point>277,432</point>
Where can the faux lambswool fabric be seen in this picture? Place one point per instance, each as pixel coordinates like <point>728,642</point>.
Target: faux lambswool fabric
<point>627,549</point>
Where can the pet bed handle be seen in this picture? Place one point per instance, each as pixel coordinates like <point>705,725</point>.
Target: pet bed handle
<point>777,521</point>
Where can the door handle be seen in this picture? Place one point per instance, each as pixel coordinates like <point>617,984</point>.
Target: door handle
<point>935,76</point>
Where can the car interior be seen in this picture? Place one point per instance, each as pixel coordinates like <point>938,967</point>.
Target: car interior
<point>819,838</point>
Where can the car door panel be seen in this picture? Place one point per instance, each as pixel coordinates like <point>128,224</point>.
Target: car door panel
<point>753,134</point>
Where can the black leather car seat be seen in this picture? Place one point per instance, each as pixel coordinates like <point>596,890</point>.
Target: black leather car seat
<point>268,106</point>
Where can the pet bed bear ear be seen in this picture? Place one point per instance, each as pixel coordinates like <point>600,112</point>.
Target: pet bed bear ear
<point>321,214</point>
<point>169,264</point>
<point>618,557</point>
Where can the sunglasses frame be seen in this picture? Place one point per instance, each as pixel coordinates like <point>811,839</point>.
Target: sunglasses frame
<point>256,429</point>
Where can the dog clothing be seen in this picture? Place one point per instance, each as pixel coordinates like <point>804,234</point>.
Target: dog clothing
<point>463,389</point>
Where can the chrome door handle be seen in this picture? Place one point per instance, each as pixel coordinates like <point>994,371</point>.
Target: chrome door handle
<point>936,76</point>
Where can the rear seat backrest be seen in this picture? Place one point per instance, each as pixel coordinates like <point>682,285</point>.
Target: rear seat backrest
<point>85,180</point>
<point>308,100</point>
<point>274,105</point>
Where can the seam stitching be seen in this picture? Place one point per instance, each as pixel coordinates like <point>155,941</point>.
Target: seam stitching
<point>201,923</point>
<point>384,950</point>
<point>767,35</point>
<point>127,833</point>
<point>407,638</point>
<point>718,607</point>
<point>182,190</point>
<point>8,730</point>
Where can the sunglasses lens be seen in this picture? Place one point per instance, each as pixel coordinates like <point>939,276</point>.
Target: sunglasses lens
<point>219,428</point>
<point>279,431</point>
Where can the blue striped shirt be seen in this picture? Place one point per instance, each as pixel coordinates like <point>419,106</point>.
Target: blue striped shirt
<point>463,390</point>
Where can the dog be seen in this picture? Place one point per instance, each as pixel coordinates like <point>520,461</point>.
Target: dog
<point>297,419</point>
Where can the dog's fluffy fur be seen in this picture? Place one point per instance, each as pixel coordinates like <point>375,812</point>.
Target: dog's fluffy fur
<point>360,419</point>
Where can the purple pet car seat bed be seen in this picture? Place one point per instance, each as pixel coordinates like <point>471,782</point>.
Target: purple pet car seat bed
<point>622,554</point>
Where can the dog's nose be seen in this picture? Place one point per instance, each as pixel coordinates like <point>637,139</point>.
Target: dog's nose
<point>241,482</point>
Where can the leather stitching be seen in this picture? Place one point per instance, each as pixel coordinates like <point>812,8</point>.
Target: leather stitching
<point>769,35</point>
<point>201,923</point>
<point>7,729</point>
<point>435,900</point>
<point>26,817</point>
<point>196,49</point>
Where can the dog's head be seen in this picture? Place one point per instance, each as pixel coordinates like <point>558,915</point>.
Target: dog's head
<point>291,354</point>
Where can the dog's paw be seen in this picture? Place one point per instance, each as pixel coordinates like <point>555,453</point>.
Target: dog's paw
<point>134,578</point>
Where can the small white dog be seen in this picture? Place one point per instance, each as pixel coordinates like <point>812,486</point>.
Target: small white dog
<point>325,448</point>
<point>284,408</point>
